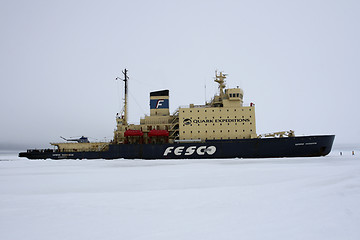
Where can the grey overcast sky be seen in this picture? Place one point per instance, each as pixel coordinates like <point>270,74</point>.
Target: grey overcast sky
<point>298,61</point>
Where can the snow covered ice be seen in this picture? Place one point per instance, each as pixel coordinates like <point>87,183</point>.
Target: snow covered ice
<point>288,198</point>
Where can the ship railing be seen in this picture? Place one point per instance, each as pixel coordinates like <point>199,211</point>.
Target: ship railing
<point>194,106</point>
<point>174,127</point>
<point>173,134</point>
<point>39,150</point>
<point>208,105</point>
<point>175,119</point>
<point>247,104</point>
<point>188,141</point>
<point>176,112</point>
<point>281,134</point>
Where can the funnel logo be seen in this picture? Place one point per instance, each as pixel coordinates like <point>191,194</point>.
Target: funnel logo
<point>159,103</point>
<point>187,121</point>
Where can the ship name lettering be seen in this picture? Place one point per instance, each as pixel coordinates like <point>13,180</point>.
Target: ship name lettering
<point>202,150</point>
<point>203,121</point>
<point>223,120</point>
<point>232,120</point>
<point>178,150</point>
<point>190,150</point>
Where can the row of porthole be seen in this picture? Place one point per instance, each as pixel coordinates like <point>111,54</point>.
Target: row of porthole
<point>219,110</point>
<point>220,117</point>
<point>220,124</point>
<point>219,131</point>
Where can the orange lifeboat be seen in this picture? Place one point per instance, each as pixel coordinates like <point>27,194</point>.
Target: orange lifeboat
<point>131,133</point>
<point>158,133</point>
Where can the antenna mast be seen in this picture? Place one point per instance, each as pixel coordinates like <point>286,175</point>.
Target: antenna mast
<point>220,79</point>
<point>205,91</point>
<point>126,96</point>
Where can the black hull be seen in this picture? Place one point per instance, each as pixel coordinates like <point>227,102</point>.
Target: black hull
<point>307,146</point>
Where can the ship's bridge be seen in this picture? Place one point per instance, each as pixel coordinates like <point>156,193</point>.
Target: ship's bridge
<point>236,94</point>
<point>233,97</point>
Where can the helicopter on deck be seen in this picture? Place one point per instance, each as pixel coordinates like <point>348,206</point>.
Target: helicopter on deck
<point>82,139</point>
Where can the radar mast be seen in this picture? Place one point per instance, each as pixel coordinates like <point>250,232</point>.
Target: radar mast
<point>220,79</point>
<point>126,97</point>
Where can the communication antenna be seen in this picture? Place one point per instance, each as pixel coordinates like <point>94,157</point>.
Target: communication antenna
<point>220,79</point>
<point>125,111</point>
<point>205,90</point>
<point>126,96</point>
